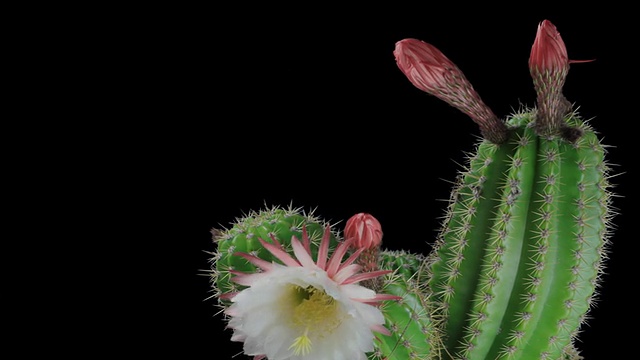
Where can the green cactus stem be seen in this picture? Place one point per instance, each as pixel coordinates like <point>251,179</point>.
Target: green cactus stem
<point>275,224</point>
<point>413,334</point>
<point>520,254</point>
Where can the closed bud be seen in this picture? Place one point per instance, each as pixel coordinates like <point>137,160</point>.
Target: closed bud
<point>365,230</point>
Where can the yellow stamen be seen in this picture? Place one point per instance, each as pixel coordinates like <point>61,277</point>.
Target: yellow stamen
<point>315,312</point>
<point>302,344</point>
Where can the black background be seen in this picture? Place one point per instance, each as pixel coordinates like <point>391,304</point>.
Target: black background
<point>232,109</point>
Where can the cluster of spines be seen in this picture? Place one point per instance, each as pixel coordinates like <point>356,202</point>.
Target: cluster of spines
<point>552,209</point>
<point>413,334</point>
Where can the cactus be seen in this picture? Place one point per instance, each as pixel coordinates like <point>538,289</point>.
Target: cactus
<point>519,257</point>
<point>515,268</point>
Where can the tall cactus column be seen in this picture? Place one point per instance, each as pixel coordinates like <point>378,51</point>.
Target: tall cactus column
<point>518,260</point>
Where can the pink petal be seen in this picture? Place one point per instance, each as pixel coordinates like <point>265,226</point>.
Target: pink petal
<point>275,240</point>
<point>351,258</point>
<point>378,298</point>
<point>301,253</point>
<point>324,249</point>
<point>263,264</point>
<point>364,276</point>
<point>247,279</point>
<point>381,329</point>
<point>228,296</point>
<point>385,297</point>
<point>336,257</point>
<point>305,239</point>
<point>345,272</point>
<point>279,253</point>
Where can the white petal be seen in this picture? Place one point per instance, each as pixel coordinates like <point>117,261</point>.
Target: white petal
<point>258,324</point>
<point>348,342</point>
<point>253,346</point>
<point>301,254</point>
<point>262,318</point>
<point>355,291</point>
<point>278,341</point>
<point>369,314</point>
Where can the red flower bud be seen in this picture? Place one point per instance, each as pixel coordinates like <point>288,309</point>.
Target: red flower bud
<point>549,66</point>
<point>548,52</point>
<point>425,66</point>
<point>365,230</point>
<point>429,70</point>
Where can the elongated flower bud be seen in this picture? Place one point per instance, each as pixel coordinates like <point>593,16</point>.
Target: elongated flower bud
<point>549,66</point>
<point>431,71</point>
<point>548,52</point>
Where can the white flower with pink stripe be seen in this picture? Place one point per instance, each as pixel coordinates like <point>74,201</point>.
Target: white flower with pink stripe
<point>306,309</point>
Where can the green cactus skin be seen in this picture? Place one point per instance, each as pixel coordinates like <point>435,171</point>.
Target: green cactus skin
<point>413,335</point>
<point>519,257</point>
<point>243,237</point>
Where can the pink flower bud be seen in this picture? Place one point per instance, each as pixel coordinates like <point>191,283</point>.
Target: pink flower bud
<point>548,52</point>
<point>424,65</point>
<point>429,70</point>
<point>549,66</point>
<point>365,230</point>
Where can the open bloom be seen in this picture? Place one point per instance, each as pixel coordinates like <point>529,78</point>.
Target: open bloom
<point>306,309</point>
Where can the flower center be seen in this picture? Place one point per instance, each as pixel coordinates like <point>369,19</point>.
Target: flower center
<point>315,313</point>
